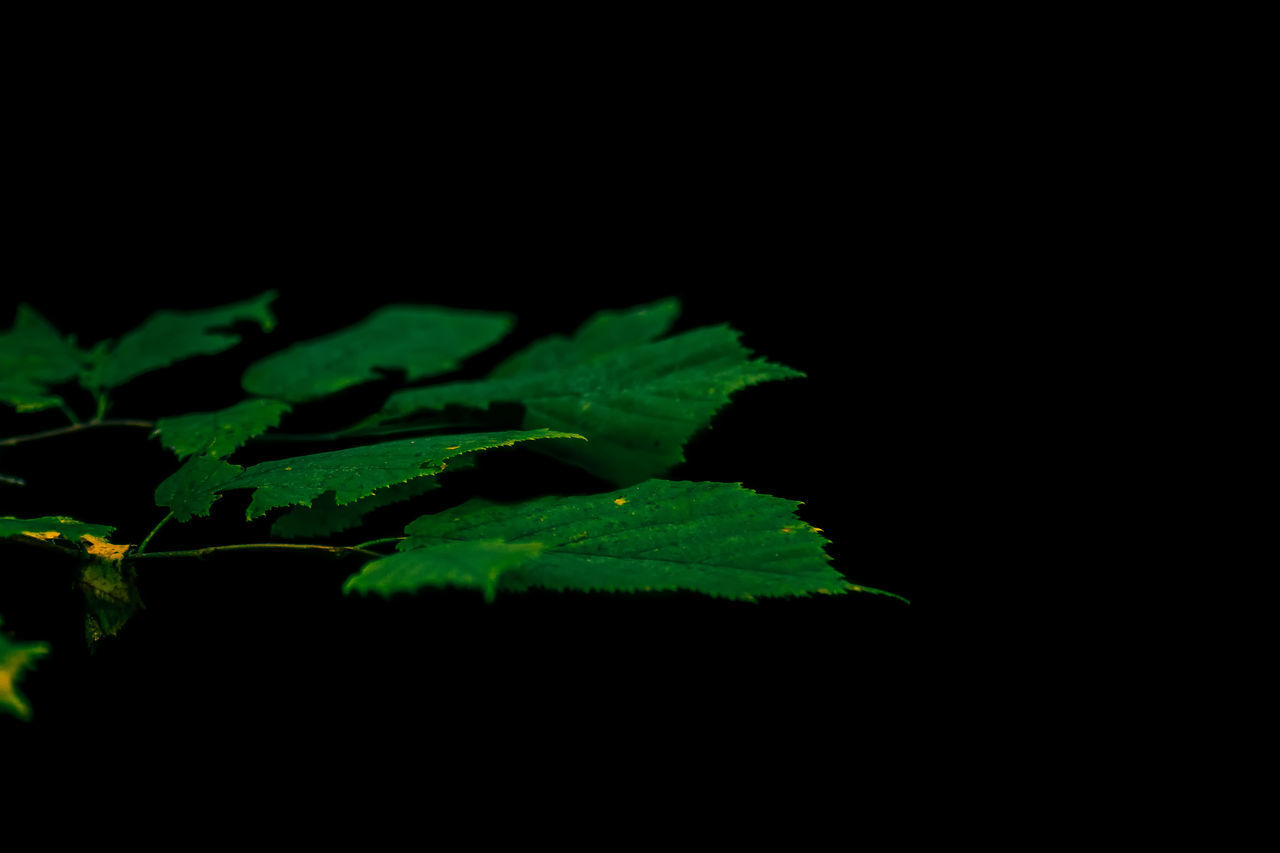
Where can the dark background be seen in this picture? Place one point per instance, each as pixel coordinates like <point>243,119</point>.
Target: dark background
<point>825,267</point>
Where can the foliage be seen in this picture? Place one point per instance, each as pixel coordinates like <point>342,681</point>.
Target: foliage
<point>620,398</point>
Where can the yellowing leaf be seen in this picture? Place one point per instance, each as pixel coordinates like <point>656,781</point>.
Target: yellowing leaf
<point>103,549</point>
<point>15,658</point>
<point>51,527</point>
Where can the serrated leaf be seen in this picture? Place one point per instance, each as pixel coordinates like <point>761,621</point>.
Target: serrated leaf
<point>351,474</point>
<point>325,517</point>
<point>601,334</point>
<point>192,489</point>
<point>52,527</point>
<point>420,340</point>
<point>15,659</point>
<point>715,538</point>
<point>475,565</point>
<point>33,357</point>
<point>219,433</point>
<point>636,405</point>
<point>167,337</point>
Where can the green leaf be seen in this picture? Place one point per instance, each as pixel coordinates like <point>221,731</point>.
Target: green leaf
<point>219,433</point>
<point>15,659</point>
<point>715,538</point>
<point>351,474</point>
<point>51,527</point>
<point>34,356</point>
<point>420,340</point>
<point>637,405</point>
<point>325,517</point>
<point>603,333</point>
<point>476,565</point>
<point>171,336</point>
<point>192,489</point>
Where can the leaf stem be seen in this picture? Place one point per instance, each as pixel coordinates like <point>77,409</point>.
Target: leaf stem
<point>69,412</point>
<point>102,406</point>
<point>76,427</point>
<point>143,545</point>
<point>200,552</point>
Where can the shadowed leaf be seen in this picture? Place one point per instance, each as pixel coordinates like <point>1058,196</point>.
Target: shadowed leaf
<point>325,517</point>
<point>192,489</point>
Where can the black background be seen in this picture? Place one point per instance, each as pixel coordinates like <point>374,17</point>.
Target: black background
<point>825,267</point>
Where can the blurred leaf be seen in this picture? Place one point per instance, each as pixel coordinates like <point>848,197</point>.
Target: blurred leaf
<point>15,659</point>
<point>167,337</point>
<point>219,433</point>
<point>420,340</point>
<point>33,357</point>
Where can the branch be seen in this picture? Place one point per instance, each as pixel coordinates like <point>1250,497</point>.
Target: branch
<point>67,430</point>
<point>213,549</point>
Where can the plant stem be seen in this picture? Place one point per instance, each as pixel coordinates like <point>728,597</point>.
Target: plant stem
<point>12,481</point>
<point>381,541</point>
<point>143,546</point>
<point>76,427</point>
<point>102,406</point>
<point>200,552</point>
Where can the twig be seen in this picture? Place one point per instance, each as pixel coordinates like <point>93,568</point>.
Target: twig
<point>200,552</point>
<point>381,541</point>
<point>67,430</point>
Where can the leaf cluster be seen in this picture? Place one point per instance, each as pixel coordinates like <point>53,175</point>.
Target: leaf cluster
<point>619,398</point>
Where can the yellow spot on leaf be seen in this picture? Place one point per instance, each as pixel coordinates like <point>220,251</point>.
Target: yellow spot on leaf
<point>620,501</point>
<point>455,447</point>
<point>585,406</point>
<point>824,591</point>
<point>288,467</point>
<point>50,534</point>
<point>788,530</point>
<point>104,549</point>
<point>816,529</point>
<point>856,588</point>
